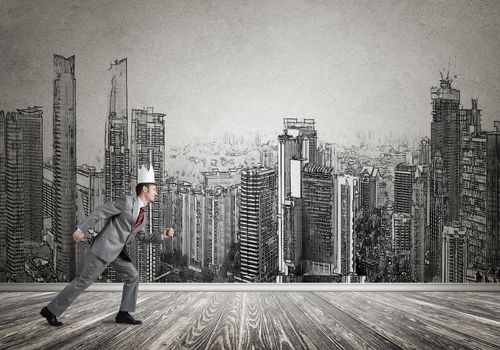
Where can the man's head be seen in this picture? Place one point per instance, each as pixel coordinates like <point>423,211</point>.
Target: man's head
<point>146,191</point>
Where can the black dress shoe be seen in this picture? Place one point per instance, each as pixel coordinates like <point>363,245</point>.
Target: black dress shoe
<point>125,317</point>
<point>51,318</point>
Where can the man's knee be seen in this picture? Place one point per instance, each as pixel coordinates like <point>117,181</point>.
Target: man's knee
<point>83,282</point>
<point>132,276</point>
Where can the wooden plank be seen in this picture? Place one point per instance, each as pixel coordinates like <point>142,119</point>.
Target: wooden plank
<point>342,330</point>
<point>32,331</point>
<point>283,332</point>
<point>200,331</point>
<point>485,305</point>
<point>465,328</point>
<point>165,317</point>
<point>404,329</point>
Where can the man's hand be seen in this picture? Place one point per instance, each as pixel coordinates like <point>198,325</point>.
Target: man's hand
<point>78,235</point>
<point>168,232</point>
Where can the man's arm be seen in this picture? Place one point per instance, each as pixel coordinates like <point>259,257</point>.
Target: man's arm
<point>148,237</point>
<point>105,211</point>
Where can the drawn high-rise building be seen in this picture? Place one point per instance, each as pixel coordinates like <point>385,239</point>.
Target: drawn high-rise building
<point>32,149</point>
<point>220,222</point>
<point>493,197</point>
<point>437,222</point>
<point>298,142</point>
<point>117,150</point>
<point>470,120</point>
<point>257,225</point>
<point>172,213</point>
<point>15,199</point>
<point>445,158</point>
<point>147,147</point>
<point>346,205</point>
<point>319,216</point>
<point>369,187</point>
<point>411,216</point>
<point>320,244</point>
<point>424,157</point>
<point>3,193</point>
<point>420,222</point>
<point>22,187</point>
<point>64,145</point>
<point>184,215</point>
<point>401,233</point>
<point>404,182</point>
<point>198,237</point>
<point>455,241</point>
<point>473,198</point>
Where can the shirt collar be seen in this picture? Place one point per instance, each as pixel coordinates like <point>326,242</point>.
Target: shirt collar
<point>140,203</point>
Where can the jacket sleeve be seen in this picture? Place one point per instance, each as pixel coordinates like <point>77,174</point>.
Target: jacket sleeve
<point>147,237</point>
<point>105,211</point>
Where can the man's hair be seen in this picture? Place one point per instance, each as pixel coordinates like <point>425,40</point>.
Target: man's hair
<point>138,188</point>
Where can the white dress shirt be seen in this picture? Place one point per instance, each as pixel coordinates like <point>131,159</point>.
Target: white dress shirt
<point>138,205</point>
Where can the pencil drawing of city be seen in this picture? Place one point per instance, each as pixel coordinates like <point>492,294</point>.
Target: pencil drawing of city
<point>292,141</point>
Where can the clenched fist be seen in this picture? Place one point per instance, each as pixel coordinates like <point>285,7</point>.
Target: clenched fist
<point>78,235</point>
<point>168,232</point>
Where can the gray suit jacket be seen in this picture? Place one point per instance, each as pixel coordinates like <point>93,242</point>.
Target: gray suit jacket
<point>118,230</point>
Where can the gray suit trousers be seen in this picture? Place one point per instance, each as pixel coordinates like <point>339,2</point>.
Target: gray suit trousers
<point>92,269</point>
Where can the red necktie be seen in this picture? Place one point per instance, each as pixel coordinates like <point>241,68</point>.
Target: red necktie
<point>139,218</point>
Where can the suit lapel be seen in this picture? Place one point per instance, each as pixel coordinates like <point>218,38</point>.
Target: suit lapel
<point>135,212</point>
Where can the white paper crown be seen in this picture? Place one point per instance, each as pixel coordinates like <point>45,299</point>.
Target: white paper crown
<point>146,176</point>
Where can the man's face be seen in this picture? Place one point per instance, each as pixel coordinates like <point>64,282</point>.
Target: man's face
<point>150,193</point>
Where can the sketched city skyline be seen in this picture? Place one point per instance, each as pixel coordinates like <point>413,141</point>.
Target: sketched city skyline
<point>354,112</point>
<point>212,66</point>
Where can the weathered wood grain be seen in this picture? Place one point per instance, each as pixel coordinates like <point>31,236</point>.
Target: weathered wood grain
<point>464,328</point>
<point>258,320</point>
<point>478,305</point>
<point>417,325</point>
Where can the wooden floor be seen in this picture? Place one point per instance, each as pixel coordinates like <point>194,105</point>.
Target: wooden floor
<point>258,320</point>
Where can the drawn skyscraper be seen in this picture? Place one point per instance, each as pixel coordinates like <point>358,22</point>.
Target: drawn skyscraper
<point>346,204</point>
<point>473,186</point>
<point>3,193</point>
<point>319,222</point>
<point>64,221</point>
<point>32,148</point>
<point>22,186</point>
<point>298,142</point>
<point>493,197</point>
<point>369,187</point>
<point>454,252</point>
<point>320,242</point>
<point>445,157</point>
<point>403,219</point>
<point>404,182</point>
<point>220,221</point>
<point>15,199</point>
<point>257,227</point>
<point>421,219</point>
<point>148,148</point>
<point>117,151</point>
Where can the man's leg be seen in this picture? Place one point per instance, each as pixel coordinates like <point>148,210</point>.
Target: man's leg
<point>92,269</point>
<point>130,276</point>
